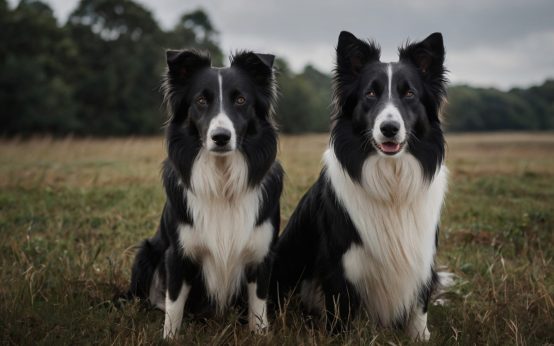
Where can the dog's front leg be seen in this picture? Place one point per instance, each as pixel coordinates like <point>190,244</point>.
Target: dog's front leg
<point>178,288</point>
<point>416,327</point>
<point>417,324</point>
<point>258,285</point>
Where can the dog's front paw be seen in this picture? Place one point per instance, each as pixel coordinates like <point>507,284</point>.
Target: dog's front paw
<point>171,328</point>
<point>258,324</point>
<point>168,334</point>
<point>417,328</point>
<point>423,335</point>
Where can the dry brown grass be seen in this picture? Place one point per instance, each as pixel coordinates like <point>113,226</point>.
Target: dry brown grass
<point>72,209</point>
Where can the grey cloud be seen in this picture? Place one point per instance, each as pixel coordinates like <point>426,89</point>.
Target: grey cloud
<point>485,39</point>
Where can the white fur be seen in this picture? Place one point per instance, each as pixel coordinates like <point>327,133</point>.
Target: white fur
<point>389,76</point>
<point>223,237</point>
<point>417,326</point>
<point>396,214</point>
<point>221,120</point>
<point>257,310</point>
<point>446,279</point>
<point>389,113</point>
<point>218,178</point>
<point>174,312</point>
<point>220,82</point>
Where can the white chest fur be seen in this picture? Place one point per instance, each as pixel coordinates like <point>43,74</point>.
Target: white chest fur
<point>223,237</point>
<point>396,214</point>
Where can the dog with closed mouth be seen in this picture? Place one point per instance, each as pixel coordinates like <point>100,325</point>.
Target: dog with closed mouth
<point>213,247</point>
<point>364,237</point>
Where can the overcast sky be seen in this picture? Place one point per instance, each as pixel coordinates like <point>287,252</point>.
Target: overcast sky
<point>501,43</point>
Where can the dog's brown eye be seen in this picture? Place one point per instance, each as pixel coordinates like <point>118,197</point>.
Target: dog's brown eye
<point>240,100</point>
<point>201,101</point>
<point>371,93</point>
<point>409,94</point>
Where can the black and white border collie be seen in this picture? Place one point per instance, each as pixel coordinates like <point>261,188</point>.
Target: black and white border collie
<point>213,247</point>
<point>365,235</point>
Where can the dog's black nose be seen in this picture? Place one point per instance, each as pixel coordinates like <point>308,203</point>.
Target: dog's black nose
<point>221,136</point>
<point>390,128</point>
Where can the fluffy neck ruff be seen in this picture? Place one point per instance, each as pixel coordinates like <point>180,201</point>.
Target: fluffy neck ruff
<point>395,212</point>
<point>219,177</point>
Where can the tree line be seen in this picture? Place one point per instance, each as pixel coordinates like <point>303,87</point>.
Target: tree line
<point>99,74</point>
<point>480,109</point>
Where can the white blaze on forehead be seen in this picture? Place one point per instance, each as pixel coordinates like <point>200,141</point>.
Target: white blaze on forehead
<point>221,120</point>
<point>389,75</point>
<point>389,113</point>
<point>220,80</point>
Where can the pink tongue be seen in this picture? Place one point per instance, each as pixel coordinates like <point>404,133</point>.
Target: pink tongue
<point>389,147</point>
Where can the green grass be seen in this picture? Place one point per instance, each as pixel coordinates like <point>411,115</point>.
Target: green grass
<point>72,210</point>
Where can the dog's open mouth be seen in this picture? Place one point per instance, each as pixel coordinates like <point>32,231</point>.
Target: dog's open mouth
<point>389,148</point>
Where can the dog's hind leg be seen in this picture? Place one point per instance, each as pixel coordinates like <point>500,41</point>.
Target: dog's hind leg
<point>146,267</point>
<point>156,295</point>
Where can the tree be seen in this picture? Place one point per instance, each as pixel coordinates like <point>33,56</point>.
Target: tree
<point>121,50</point>
<point>305,98</point>
<point>117,73</point>
<point>477,109</point>
<point>34,94</point>
<point>195,30</point>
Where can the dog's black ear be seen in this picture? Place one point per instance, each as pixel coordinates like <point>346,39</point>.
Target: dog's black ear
<point>267,59</point>
<point>258,66</point>
<point>427,55</point>
<point>353,54</point>
<point>182,64</point>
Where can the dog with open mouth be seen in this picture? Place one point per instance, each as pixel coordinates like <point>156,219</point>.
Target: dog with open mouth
<point>364,237</point>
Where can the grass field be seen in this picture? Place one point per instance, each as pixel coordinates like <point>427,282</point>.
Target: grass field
<point>71,211</point>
